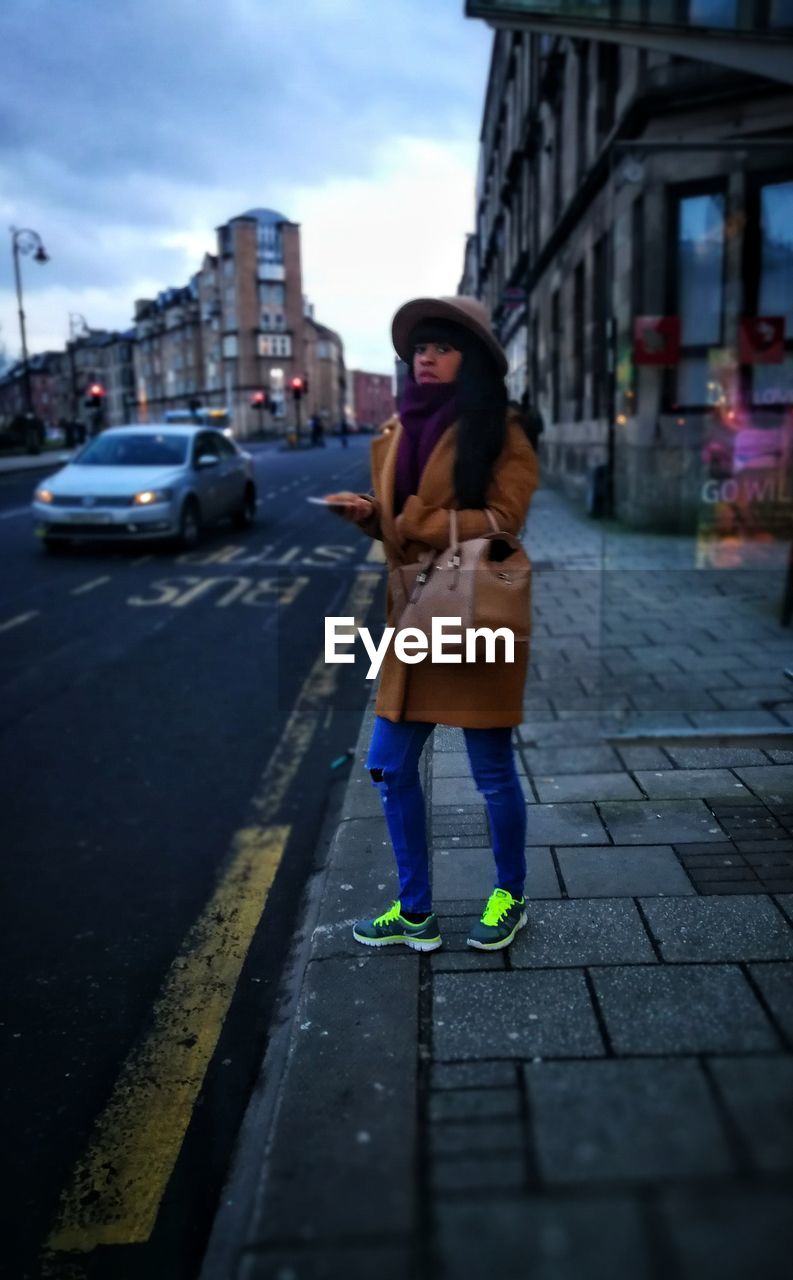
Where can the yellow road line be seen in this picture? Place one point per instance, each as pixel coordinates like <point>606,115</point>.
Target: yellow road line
<point>88,586</point>
<point>17,622</point>
<point>116,1188</point>
<point>115,1191</point>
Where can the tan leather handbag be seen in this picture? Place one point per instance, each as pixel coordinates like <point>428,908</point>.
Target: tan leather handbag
<point>485,581</point>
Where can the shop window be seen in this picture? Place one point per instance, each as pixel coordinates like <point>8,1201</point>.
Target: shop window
<point>556,340</point>
<point>769,293</point>
<point>700,292</point>
<point>578,343</point>
<point>713,13</point>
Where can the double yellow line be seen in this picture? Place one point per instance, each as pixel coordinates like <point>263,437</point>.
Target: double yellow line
<point>114,1194</point>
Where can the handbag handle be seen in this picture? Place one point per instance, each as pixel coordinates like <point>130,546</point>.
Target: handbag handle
<point>454,541</point>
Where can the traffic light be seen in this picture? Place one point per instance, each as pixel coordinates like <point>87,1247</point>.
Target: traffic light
<point>95,395</point>
<point>298,386</point>
<point>260,400</point>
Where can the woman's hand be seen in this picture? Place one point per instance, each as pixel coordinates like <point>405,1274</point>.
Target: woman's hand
<point>350,506</point>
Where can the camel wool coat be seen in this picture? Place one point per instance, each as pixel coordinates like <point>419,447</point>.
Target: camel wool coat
<point>469,695</point>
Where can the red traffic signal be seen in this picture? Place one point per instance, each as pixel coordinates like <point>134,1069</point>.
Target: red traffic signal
<point>260,400</point>
<point>94,395</point>
<point>297,387</point>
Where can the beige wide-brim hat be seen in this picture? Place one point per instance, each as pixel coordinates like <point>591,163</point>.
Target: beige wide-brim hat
<point>469,312</point>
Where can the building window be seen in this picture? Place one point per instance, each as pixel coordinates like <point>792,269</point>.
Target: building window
<point>268,242</point>
<point>583,110</point>
<point>599,317</point>
<point>700,291</point>
<point>608,66</point>
<point>578,343</point>
<point>230,346</point>
<point>556,342</point>
<point>275,344</point>
<point>713,13</point>
<point>323,350</point>
<point>771,230</point>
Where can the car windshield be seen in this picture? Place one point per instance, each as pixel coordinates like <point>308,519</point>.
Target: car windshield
<point>130,450</point>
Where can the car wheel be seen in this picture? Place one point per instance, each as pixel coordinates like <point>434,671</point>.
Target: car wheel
<point>245,515</point>
<point>189,525</point>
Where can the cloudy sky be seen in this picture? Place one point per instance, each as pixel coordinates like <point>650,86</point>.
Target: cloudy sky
<point>130,130</point>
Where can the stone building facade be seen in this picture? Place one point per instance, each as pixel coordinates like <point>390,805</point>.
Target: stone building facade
<point>372,398</point>
<point>627,197</point>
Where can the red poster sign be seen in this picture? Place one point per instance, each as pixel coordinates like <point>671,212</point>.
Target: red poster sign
<point>761,340</point>
<point>656,339</point>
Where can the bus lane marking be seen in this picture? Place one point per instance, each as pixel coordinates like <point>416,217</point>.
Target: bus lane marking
<point>115,1192</point>
<point>88,586</point>
<point>19,620</point>
<point>184,590</point>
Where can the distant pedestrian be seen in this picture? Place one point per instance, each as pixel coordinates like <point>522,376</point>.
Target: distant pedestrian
<point>317,431</point>
<point>454,445</point>
<point>344,429</point>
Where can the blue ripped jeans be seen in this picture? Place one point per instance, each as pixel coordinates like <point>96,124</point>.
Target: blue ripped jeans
<point>393,760</point>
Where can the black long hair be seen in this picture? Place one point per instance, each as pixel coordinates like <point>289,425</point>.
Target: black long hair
<point>482,399</point>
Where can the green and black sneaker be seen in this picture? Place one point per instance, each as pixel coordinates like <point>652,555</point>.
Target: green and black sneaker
<point>392,927</point>
<point>502,917</point>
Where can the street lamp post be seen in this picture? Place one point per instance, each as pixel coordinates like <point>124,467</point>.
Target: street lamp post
<point>23,240</point>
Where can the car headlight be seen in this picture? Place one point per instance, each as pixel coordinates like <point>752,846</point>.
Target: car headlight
<point>44,495</point>
<point>147,497</point>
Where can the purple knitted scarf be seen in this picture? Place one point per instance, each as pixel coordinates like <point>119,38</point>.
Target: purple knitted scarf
<point>425,411</point>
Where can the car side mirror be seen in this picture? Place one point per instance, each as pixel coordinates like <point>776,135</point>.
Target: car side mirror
<point>207,460</point>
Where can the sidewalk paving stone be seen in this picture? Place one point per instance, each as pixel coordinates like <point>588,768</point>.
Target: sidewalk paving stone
<point>452,1138</point>
<point>586,786</point>
<point>682,1009</point>
<point>573,759</point>
<point>451,764</point>
<point>329,1089</point>
<point>730,1233</point>
<point>775,981</point>
<point>771,782</point>
<point>582,932</point>
<point>635,1121</point>
<point>517,1014</point>
<point>758,1093</point>
<point>542,1238</point>
<point>644,758</point>
<point>785,901</point>
<point>723,929</point>
<point>470,874</point>
<point>564,824</point>
<point>651,821</point>
<point>743,719</point>
<point>484,1172</point>
<point>609,872</point>
<point>469,1075</point>
<point>475,1104</point>
<point>669,784</point>
<point>692,757</point>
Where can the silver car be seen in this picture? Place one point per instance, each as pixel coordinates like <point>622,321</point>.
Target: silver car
<point>143,482</point>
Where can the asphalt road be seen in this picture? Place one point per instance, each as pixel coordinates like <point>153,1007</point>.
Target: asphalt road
<point>167,730</point>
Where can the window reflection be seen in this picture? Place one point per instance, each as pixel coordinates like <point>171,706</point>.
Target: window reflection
<point>713,13</point>
<point>700,264</point>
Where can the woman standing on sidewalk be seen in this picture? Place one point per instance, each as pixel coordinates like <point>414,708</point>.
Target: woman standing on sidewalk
<point>455,445</point>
